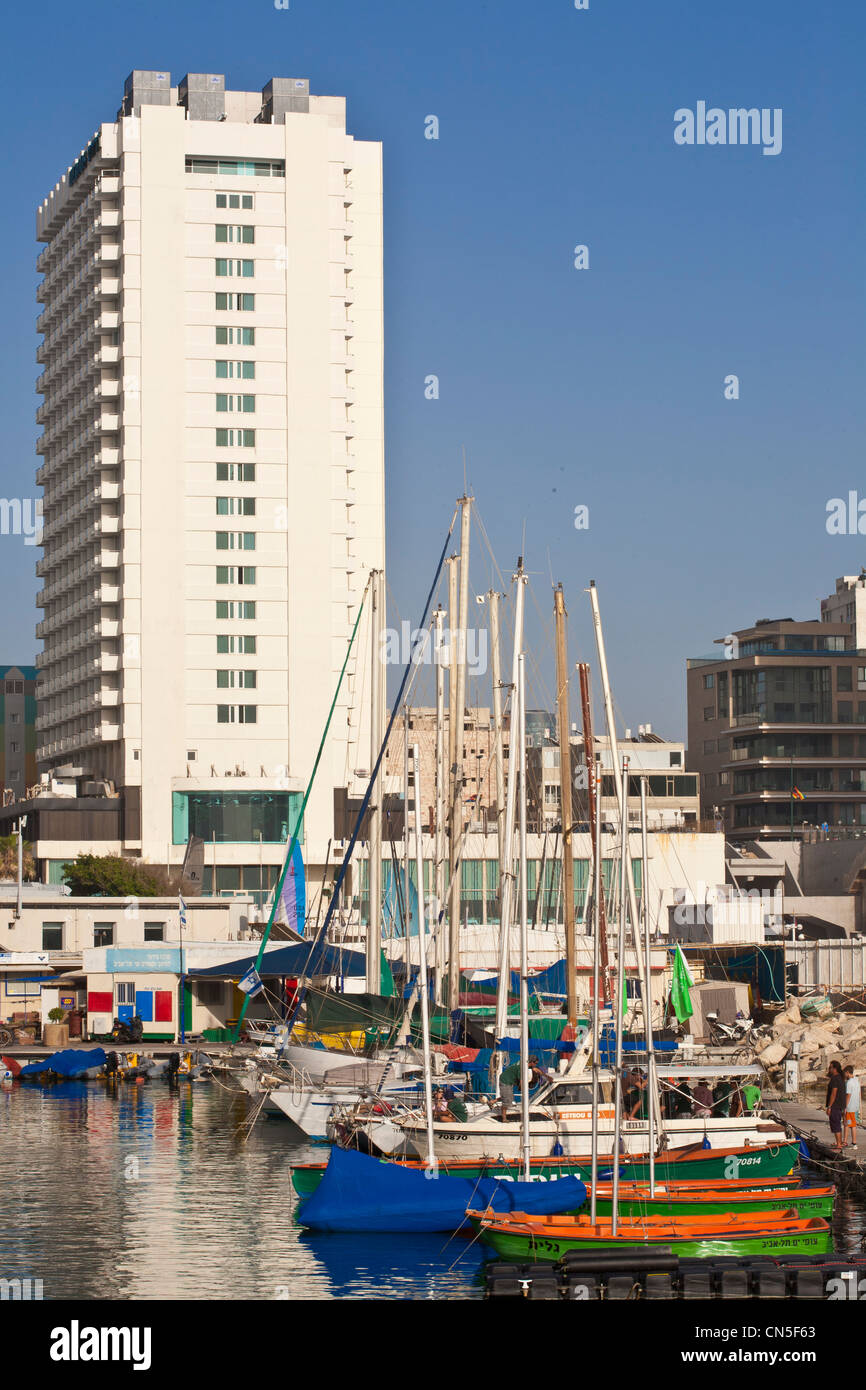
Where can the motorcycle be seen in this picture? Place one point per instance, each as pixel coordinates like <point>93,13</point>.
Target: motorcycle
<point>131,1032</point>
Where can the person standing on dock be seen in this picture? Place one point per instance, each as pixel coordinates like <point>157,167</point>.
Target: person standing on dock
<point>834,1101</point>
<point>852,1106</point>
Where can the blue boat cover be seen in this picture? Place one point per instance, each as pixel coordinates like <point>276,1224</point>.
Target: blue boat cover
<point>72,1061</point>
<point>359,1193</point>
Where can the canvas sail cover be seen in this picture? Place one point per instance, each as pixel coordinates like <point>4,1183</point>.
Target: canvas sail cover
<point>359,1193</point>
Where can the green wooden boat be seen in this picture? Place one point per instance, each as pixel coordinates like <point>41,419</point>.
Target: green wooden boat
<point>767,1161</point>
<point>549,1238</point>
<point>806,1201</point>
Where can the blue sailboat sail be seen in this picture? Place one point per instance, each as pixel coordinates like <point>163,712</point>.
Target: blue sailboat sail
<point>293,898</point>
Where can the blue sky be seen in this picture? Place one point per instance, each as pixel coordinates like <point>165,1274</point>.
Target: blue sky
<point>601,387</point>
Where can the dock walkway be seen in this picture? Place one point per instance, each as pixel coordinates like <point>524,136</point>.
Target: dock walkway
<point>809,1122</point>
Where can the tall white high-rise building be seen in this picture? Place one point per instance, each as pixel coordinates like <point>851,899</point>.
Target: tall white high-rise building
<point>212,465</point>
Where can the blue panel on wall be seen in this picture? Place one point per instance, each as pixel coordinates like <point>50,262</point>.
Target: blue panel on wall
<point>144,1004</point>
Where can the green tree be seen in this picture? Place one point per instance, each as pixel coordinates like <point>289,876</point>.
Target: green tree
<point>9,859</point>
<point>110,876</point>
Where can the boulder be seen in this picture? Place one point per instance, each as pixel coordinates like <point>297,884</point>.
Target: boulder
<point>791,1014</point>
<point>774,1054</point>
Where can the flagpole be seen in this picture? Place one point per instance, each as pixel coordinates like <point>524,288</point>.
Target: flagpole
<point>181,915</point>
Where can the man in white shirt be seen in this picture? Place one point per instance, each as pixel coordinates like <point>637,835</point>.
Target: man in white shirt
<point>852,1106</point>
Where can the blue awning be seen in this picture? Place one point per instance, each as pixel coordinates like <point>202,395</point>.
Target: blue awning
<point>301,958</point>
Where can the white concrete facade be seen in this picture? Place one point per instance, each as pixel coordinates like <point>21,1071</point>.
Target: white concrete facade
<point>154,677</point>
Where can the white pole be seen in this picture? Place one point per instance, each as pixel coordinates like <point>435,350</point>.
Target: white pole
<point>439,827</point>
<point>651,1080</point>
<point>374,925</point>
<point>506,894</point>
<point>618,1012</point>
<point>596,980</point>
<point>621,793</point>
<point>524,928</point>
<point>422,957</point>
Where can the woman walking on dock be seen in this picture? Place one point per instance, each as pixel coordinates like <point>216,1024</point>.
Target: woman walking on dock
<point>835,1101</point>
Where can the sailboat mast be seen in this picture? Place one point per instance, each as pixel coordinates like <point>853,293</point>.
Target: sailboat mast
<point>422,958</point>
<point>457,793</point>
<point>377,715</point>
<point>439,821</point>
<point>597,919</point>
<point>618,1009</point>
<point>652,1080</point>
<point>496,675</point>
<point>593,785</point>
<point>524,935</point>
<point>408,936</point>
<point>622,798</point>
<point>506,879</point>
<point>566,804</point>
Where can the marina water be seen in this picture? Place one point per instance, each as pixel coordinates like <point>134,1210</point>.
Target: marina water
<point>140,1192</point>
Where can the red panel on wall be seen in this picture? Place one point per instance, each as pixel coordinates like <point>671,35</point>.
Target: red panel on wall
<point>162,1010</point>
<point>100,1002</point>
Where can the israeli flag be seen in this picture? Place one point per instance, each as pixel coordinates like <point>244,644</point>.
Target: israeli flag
<point>182,909</point>
<point>251,983</point>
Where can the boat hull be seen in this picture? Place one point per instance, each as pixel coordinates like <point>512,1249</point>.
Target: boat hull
<point>527,1247</point>
<point>759,1164</point>
<point>518,1235</point>
<point>718,1202</point>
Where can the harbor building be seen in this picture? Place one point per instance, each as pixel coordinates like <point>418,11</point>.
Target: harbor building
<point>212,461</point>
<point>777,724</point>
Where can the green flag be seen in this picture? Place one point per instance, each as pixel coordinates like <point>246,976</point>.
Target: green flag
<point>386,979</point>
<point>680,985</point>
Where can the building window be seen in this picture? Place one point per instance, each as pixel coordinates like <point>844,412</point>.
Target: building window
<point>709,681</point>
<point>254,168</point>
<point>709,712</point>
<point>245,201</point>
<point>52,936</point>
<point>236,714</point>
<point>233,232</point>
<point>235,817</point>
<point>244,609</point>
<point>154,931</point>
<point>235,540</point>
<point>861,677</point>
<point>709,745</point>
<point>231,680</point>
<point>235,574</point>
<point>236,472</point>
<point>245,269</point>
<point>243,404</point>
<point>676,759</point>
<point>191,755</point>
<point>244,302</point>
<point>844,712</point>
<point>15,719</point>
<point>844,678</point>
<point>240,439</point>
<point>14,747</point>
<point>104,935</point>
<point>723,778</point>
<point>126,992</point>
<point>238,337</point>
<point>246,370</point>
<point>232,642</point>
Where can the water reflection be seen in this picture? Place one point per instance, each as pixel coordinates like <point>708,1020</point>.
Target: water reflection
<point>140,1192</point>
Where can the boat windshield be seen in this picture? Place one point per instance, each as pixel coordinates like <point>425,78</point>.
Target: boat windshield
<point>569,1093</point>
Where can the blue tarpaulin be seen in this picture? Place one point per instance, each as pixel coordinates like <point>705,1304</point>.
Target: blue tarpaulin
<point>359,1193</point>
<point>72,1061</point>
